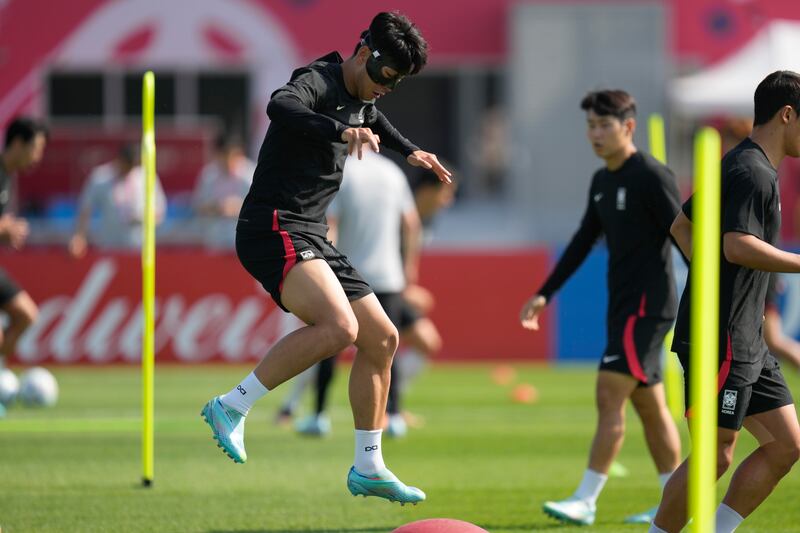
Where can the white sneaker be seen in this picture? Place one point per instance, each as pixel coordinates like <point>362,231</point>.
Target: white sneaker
<point>314,425</point>
<point>572,511</point>
<point>642,518</point>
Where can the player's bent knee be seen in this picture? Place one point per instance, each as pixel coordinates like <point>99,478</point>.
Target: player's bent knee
<point>724,459</point>
<point>22,310</point>
<point>787,453</point>
<point>391,341</point>
<point>341,332</point>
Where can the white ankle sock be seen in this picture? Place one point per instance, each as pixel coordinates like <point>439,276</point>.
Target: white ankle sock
<point>369,456</point>
<point>663,478</point>
<point>591,485</point>
<point>244,395</point>
<point>727,519</point>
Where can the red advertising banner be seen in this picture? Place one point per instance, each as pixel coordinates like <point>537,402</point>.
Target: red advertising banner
<point>209,309</point>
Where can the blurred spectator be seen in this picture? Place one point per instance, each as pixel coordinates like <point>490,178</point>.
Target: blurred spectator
<point>786,348</point>
<point>24,147</point>
<point>491,158</point>
<point>220,190</point>
<point>115,191</point>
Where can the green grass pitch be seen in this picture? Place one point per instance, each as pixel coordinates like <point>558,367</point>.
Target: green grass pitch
<point>480,458</point>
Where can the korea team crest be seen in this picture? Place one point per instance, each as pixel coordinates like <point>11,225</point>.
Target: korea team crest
<point>729,401</point>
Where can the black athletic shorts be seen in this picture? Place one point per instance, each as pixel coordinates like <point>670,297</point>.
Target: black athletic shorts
<point>392,303</point>
<point>269,255</point>
<point>408,315</point>
<point>8,288</point>
<point>635,344</point>
<point>744,389</point>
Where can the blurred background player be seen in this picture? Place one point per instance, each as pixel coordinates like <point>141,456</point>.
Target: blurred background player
<point>115,191</point>
<point>419,337</point>
<point>752,391</point>
<point>25,141</point>
<point>326,111</point>
<point>220,190</point>
<point>632,202</point>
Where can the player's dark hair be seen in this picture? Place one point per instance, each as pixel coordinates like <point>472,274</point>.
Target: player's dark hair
<point>399,39</point>
<point>611,102</point>
<point>25,129</point>
<point>427,178</point>
<point>227,141</point>
<point>779,89</point>
<point>128,154</point>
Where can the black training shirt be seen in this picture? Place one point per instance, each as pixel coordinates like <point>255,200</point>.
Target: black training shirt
<point>633,207</point>
<point>750,204</point>
<point>301,159</point>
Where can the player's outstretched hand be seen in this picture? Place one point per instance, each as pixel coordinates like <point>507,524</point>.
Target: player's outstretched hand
<point>529,316</point>
<point>356,137</point>
<point>430,161</point>
<point>13,231</point>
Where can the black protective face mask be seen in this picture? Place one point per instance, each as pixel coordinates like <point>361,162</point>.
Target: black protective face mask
<point>375,64</point>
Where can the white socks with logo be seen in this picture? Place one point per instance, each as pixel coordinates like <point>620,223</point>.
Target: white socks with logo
<point>369,456</point>
<point>245,394</point>
<point>590,487</point>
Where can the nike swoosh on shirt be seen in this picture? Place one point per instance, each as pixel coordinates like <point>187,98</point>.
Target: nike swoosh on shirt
<point>339,107</point>
<point>610,358</point>
<point>598,196</point>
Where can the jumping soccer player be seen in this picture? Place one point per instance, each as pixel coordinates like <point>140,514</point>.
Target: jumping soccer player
<point>752,391</point>
<point>326,111</point>
<point>632,202</point>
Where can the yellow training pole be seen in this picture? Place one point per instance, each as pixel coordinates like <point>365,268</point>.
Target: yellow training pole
<point>672,370</point>
<point>658,143</point>
<point>704,356</point>
<point>148,272</point>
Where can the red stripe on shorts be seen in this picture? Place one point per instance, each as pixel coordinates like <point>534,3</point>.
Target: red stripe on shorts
<point>288,248</point>
<point>629,344</point>
<point>724,370</point>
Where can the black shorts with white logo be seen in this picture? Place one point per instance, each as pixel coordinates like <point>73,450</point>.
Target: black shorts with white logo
<point>269,256</point>
<point>744,389</point>
<point>8,288</point>
<point>635,344</point>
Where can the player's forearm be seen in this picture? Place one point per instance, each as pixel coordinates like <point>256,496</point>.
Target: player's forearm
<point>681,231</point>
<point>785,348</point>
<point>573,257</point>
<point>82,227</point>
<point>412,237</point>
<point>751,252</point>
<point>289,110</point>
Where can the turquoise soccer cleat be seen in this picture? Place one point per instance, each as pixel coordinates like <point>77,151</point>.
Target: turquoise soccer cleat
<point>314,426</point>
<point>383,485</point>
<point>642,518</point>
<point>571,511</point>
<point>227,426</point>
